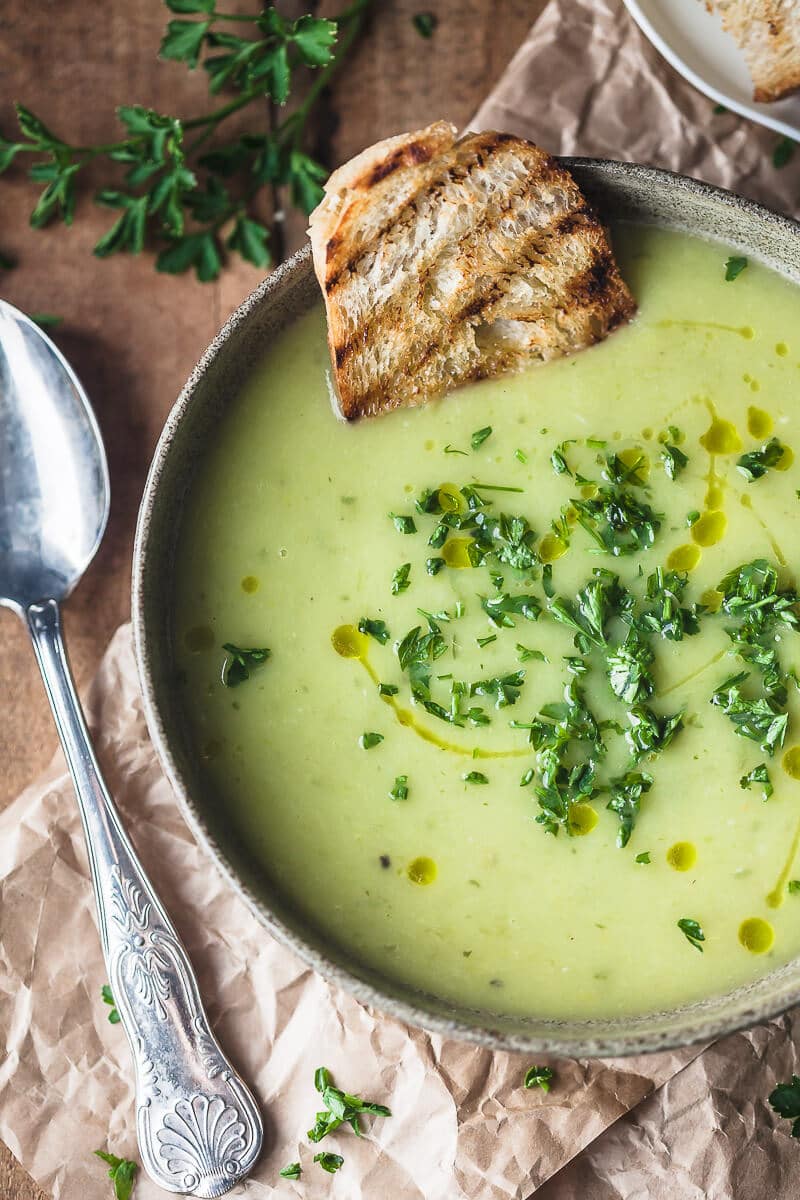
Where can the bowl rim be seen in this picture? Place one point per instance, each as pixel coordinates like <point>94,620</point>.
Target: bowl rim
<point>694,1027</point>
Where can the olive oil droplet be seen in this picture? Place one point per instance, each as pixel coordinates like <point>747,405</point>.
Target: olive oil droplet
<point>721,437</point>
<point>709,528</point>
<point>349,642</point>
<point>551,547</point>
<point>756,935</point>
<point>791,762</point>
<point>684,558</point>
<point>455,553</point>
<point>781,349</point>
<point>249,584</point>
<point>421,870</point>
<point>634,456</point>
<point>759,423</point>
<point>785,460</point>
<point>682,856</point>
<point>582,819</point>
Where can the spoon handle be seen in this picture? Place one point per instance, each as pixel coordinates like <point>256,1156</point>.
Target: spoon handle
<point>198,1125</point>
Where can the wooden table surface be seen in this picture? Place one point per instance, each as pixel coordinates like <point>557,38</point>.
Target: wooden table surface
<point>133,335</point>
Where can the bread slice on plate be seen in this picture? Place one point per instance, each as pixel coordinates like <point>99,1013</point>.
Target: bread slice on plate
<point>444,260</point>
<point>768,32</point>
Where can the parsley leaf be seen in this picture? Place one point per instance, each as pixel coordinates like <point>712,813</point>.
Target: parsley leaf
<point>340,1107</point>
<point>756,464</point>
<point>759,774</point>
<point>368,740</point>
<point>403,524</point>
<point>401,578</point>
<point>400,789</point>
<point>374,628</point>
<point>626,793</point>
<point>785,1101</point>
<point>329,1162</point>
<point>425,23</point>
<point>629,669</point>
<point>758,719</point>
<point>480,436</point>
<point>674,461</point>
<point>505,688</point>
<point>649,733</point>
<point>616,519</point>
<point>540,1077</point>
<point>502,609</point>
<point>122,1173</point>
<point>291,1171</point>
<point>643,858</point>
<point>734,267</point>
<point>240,662</point>
<point>793,887</point>
<point>113,1016</point>
<point>692,931</point>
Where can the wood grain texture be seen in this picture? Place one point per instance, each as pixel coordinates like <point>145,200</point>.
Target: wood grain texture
<point>133,335</point>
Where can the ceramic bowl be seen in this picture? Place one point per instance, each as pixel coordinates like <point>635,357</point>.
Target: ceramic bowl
<point>621,191</point>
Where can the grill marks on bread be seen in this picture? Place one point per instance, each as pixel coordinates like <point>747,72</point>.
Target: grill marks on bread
<point>443,261</point>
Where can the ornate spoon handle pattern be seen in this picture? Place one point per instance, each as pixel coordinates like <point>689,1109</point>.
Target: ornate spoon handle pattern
<point>198,1125</point>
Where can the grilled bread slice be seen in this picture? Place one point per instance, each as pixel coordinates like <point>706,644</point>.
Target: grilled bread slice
<point>444,260</point>
<point>768,32</point>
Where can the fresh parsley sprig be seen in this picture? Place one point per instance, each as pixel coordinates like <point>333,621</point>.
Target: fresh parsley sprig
<point>340,1108</point>
<point>194,198</point>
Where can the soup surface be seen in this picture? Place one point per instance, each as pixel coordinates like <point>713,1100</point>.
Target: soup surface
<point>575,789</point>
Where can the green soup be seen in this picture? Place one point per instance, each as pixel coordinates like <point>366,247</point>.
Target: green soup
<point>541,810</point>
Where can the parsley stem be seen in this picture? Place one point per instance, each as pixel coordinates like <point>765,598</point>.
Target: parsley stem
<point>352,17</point>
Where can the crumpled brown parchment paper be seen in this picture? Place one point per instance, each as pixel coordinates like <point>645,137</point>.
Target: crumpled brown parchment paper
<point>463,1128</point>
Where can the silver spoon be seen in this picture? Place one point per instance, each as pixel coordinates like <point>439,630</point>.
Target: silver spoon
<point>198,1125</point>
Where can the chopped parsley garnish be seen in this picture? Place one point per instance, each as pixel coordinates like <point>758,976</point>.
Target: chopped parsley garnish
<point>387,689</point>
<point>375,629</point>
<point>425,23</point>
<point>329,1162</point>
<point>617,520</point>
<point>509,539</point>
<point>402,523</point>
<point>113,1016</point>
<point>475,777</point>
<point>758,718</point>
<point>527,777</point>
<point>593,605</point>
<point>340,1107</point>
<point>400,789</point>
<point>520,456</point>
<point>540,1077</point>
<point>486,641</point>
<point>525,654</point>
<point>692,931</point>
<point>785,1101</point>
<point>734,267</point>
<point>452,450</point>
<point>400,579</point>
<point>368,740</point>
<point>759,774</point>
<point>505,688</point>
<point>756,464</point>
<point>557,460</point>
<point>643,858</point>
<point>674,461</point>
<point>498,487</point>
<point>626,793</point>
<point>480,436</point>
<point>291,1171</point>
<point>650,733</point>
<point>793,887</point>
<point>241,662</point>
<point>629,669</point>
<point>434,565</point>
<point>665,615</point>
<point>121,1172</point>
<point>568,741</point>
<point>502,609</point>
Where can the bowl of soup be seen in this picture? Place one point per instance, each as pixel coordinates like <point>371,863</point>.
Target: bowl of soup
<point>489,708</point>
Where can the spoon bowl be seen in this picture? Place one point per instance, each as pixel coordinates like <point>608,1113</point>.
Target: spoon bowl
<point>199,1128</point>
<point>55,489</point>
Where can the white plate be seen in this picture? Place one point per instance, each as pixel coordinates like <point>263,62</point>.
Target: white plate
<point>693,41</point>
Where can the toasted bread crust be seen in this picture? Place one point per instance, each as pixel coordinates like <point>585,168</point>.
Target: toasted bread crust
<point>445,260</point>
<point>768,32</point>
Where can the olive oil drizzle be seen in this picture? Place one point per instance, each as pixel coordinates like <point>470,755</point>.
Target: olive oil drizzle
<point>776,897</point>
